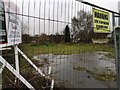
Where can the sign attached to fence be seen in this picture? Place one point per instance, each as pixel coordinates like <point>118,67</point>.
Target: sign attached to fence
<point>101,21</point>
<point>10,29</point>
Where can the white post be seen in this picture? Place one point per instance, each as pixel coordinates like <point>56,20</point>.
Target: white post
<point>52,83</point>
<point>1,69</point>
<point>40,71</point>
<point>15,72</point>
<point>16,59</point>
<point>30,62</point>
<point>49,71</point>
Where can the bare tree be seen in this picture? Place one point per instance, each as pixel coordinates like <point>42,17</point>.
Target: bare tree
<point>24,28</point>
<point>26,38</point>
<point>82,27</point>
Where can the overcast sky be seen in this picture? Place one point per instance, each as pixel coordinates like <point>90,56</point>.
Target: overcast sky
<point>110,4</point>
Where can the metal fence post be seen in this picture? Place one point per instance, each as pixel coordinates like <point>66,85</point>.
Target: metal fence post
<point>119,60</point>
<point>116,50</point>
<point>119,54</point>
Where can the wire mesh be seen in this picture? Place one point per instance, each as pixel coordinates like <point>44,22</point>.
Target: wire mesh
<point>75,64</point>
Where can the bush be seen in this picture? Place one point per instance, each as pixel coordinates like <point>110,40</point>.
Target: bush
<point>26,38</point>
<point>38,40</point>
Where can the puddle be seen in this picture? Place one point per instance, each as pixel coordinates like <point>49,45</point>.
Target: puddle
<point>63,69</point>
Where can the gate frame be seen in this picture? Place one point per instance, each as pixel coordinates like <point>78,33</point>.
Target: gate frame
<point>117,48</point>
<point>16,70</point>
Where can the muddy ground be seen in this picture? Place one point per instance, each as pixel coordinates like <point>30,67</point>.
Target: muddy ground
<point>85,70</point>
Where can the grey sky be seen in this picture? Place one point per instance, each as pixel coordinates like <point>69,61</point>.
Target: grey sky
<point>109,4</point>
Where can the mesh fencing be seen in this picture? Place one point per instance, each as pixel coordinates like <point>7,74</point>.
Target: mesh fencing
<point>76,61</point>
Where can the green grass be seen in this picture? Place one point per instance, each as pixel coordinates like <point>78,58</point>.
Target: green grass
<point>99,76</point>
<point>64,49</point>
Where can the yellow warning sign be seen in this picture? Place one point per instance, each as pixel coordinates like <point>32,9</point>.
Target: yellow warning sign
<point>101,21</point>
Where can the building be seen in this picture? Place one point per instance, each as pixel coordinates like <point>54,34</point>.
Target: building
<point>119,6</point>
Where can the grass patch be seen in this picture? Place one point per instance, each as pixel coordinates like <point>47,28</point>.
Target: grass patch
<point>110,55</point>
<point>64,49</point>
<point>99,76</point>
<point>104,77</point>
